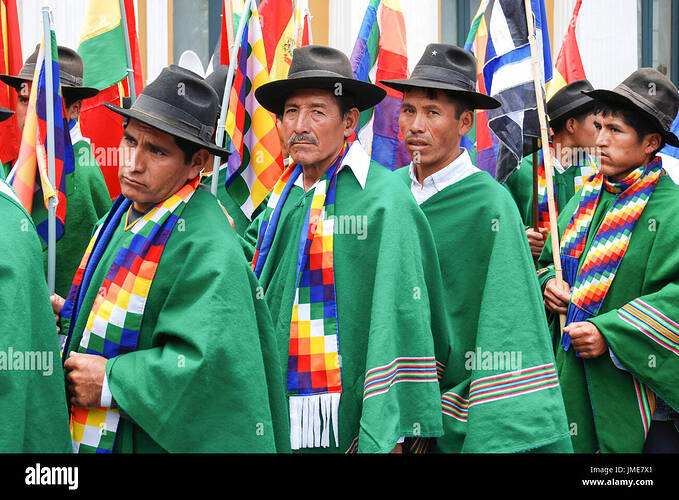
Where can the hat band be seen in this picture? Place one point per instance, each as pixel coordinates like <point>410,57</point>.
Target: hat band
<point>172,116</point>
<point>28,70</point>
<point>443,75</point>
<point>312,73</point>
<point>648,106</point>
<point>68,79</point>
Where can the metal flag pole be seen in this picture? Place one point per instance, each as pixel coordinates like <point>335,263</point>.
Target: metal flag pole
<point>547,156</point>
<point>52,208</point>
<point>128,52</point>
<point>233,62</point>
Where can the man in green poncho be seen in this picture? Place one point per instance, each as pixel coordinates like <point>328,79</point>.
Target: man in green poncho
<point>618,355</point>
<point>167,346</point>
<point>348,267</point>
<point>87,195</point>
<point>571,116</point>
<point>499,390</point>
<point>32,407</point>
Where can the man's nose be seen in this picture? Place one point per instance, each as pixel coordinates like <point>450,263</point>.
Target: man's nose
<point>130,158</point>
<point>300,124</point>
<point>602,138</point>
<point>417,123</point>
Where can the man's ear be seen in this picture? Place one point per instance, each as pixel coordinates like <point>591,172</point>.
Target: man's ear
<point>466,122</point>
<point>199,161</point>
<point>350,120</point>
<point>652,143</point>
<point>570,125</point>
<point>73,111</point>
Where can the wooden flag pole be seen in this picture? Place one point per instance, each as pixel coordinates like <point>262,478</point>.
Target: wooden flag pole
<point>52,207</point>
<point>128,52</point>
<point>547,156</point>
<point>233,60</point>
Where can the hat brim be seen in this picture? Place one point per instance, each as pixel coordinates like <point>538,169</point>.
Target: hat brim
<point>573,108</point>
<point>610,96</point>
<point>476,99</point>
<point>272,95</point>
<point>81,92</point>
<point>78,92</point>
<point>5,114</point>
<point>167,128</point>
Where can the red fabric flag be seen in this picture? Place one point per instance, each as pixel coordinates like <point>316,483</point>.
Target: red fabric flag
<point>568,63</point>
<point>224,36</point>
<point>306,34</point>
<point>10,64</point>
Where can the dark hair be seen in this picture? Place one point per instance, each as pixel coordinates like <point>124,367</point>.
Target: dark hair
<point>188,148</point>
<point>559,124</point>
<point>641,123</point>
<point>345,102</point>
<point>69,97</point>
<point>460,104</point>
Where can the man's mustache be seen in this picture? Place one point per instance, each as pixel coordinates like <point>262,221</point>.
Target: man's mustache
<point>302,138</point>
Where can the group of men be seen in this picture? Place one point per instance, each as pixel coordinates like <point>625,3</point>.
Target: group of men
<point>361,310</point>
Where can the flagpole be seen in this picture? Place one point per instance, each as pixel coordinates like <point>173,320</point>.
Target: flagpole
<point>52,214</point>
<point>547,156</point>
<point>128,52</point>
<point>233,60</point>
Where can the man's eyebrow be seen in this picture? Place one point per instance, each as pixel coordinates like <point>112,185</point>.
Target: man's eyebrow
<point>153,145</point>
<point>312,105</point>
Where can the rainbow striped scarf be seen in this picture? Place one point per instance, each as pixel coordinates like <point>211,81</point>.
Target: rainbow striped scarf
<point>114,322</point>
<point>314,381</point>
<point>584,170</point>
<point>592,281</point>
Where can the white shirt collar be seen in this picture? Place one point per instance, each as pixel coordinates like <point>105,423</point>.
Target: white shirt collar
<point>558,166</point>
<point>356,159</point>
<point>460,168</point>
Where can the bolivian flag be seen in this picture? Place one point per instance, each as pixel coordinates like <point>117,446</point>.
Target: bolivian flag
<point>102,48</point>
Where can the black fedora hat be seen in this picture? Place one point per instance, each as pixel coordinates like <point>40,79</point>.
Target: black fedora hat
<point>319,67</point>
<point>180,103</point>
<point>650,92</point>
<point>70,73</point>
<point>446,67</point>
<point>570,100</point>
<point>5,113</point>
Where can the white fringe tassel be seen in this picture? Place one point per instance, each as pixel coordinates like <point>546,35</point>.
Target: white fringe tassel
<point>311,418</point>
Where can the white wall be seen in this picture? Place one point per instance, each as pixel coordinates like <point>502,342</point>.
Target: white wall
<point>607,38</point>
<point>421,18</point>
<point>68,18</point>
<point>156,38</point>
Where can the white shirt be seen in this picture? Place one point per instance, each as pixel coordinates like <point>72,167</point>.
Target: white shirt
<point>460,168</point>
<point>356,159</point>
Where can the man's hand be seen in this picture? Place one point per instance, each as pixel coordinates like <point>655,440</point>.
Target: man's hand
<point>536,240</point>
<point>84,377</point>
<point>557,300</point>
<point>586,339</point>
<point>57,305</point>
